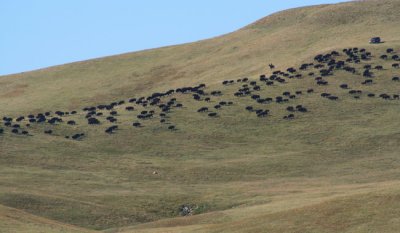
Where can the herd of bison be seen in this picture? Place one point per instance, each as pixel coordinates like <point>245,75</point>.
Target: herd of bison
<point>355,61</point>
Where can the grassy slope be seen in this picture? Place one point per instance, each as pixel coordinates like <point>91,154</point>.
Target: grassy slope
<point>268,174</point>
<point>358,210</point>
<point>13,220</point>
<point>285,39</point>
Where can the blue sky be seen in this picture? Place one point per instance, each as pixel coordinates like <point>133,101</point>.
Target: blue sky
<point>41,33</point>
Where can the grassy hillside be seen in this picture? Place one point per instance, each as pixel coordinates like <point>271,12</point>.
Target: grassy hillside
<point>355,212</point>
<point>333,168</point>
<point>286,39</point>
<point>13,220</point>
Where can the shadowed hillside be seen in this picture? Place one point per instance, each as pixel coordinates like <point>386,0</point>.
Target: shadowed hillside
<point>205,137</point>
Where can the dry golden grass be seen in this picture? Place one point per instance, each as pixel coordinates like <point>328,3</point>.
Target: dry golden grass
<point>13,220</point>
<point>349,208</point>
<point>334,169</point>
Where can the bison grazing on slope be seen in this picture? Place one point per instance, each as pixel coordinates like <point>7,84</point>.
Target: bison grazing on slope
<point>136,124</point>
<point>93,121</point>
<point>71,122</point>
<point>78,136</point>
<point>289,117</point>
<point>203,109</point>
<point>48,131</point>
<point>290,109</point>
<point>111,129</point>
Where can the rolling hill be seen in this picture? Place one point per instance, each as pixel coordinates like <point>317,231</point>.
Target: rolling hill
<point>288,150</point>
<point>286,39</point>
